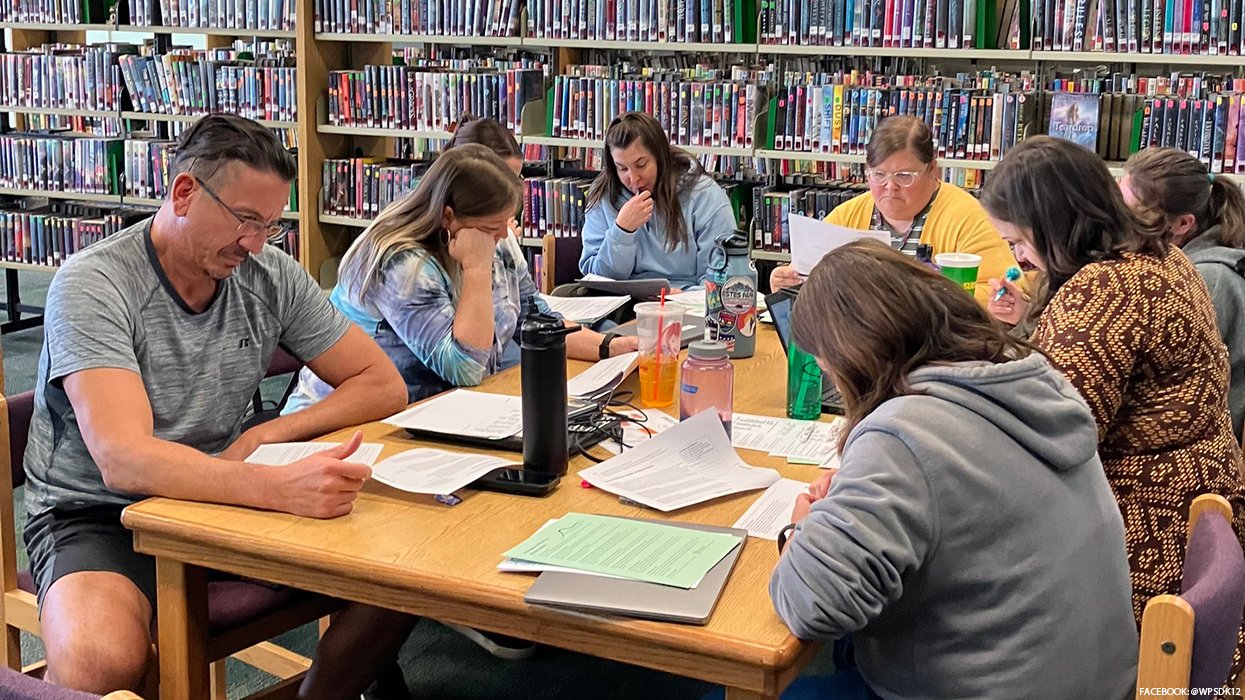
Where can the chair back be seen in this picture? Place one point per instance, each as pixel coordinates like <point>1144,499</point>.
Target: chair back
<point>282,363</point>
<point>1188,641</point>
<point>20,410</point>
<point>561,261</point>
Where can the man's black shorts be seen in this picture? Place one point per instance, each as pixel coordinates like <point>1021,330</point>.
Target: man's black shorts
<point>66,541</point>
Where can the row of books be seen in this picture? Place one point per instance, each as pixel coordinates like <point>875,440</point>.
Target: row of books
<point>720,113</point>
<point>554,206</point>
<point>772,207</point>
<point>1209,27</point>
<point>1213,129</point>
<point>404,97</point>
<point>60,162</point>
<point>468,18</point>
<point>65,76</point>
<point>147,163</point>
<point>56,11</point>
<point>942,24</point>
<point>702,21</point>
<point>224,14</point>
<point>49,235</point>
<point>191,83</point>
<point>361,188</point>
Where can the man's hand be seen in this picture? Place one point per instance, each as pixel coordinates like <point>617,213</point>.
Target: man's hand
<point>636,212</point>
<point>323,485</point>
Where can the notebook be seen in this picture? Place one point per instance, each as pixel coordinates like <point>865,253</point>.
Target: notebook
<point>779,305</point>
<point>651,601</point>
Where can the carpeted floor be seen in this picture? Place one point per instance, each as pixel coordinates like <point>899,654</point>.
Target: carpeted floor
<point>438,663</point>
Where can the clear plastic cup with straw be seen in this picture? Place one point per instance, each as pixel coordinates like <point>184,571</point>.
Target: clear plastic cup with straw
<point>659,328</point>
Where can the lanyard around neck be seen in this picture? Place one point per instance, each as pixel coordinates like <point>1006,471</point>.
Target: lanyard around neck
<point>918,222</point>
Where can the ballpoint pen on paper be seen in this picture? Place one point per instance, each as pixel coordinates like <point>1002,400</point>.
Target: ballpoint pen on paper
<point>1012,274</point>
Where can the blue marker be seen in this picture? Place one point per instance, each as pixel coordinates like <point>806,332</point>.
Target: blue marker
<point>1012,274</point>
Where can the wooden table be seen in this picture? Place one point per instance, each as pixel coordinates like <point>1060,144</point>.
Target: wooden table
<point>407,552</point>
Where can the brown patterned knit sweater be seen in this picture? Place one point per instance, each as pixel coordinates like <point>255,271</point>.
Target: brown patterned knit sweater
<point>1137,336</point>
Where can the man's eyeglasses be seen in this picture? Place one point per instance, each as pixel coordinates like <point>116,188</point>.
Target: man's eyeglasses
<point>247,226</point>
<point>903,178</point>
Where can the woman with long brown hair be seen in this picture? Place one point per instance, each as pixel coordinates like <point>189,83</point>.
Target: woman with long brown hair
<point>969,542</point>
<point>1128,321</point>
<point>653,212</point>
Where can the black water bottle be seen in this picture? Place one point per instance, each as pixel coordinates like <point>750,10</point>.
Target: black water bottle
<point>542,367</point>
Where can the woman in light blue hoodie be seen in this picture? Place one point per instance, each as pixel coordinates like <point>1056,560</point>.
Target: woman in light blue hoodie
<point>653,212</point>
<point>969,543</point>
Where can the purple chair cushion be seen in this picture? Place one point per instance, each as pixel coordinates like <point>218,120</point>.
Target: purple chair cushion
<point>235,602</point>
<point>26,582</point>
<point>566,259</point>
<point>282,362</point>
<point>1214,586</point>
<point>21,408</point>
<point>15,686</point>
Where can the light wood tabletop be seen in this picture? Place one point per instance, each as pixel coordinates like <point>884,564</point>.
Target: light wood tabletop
<point>408,552</point>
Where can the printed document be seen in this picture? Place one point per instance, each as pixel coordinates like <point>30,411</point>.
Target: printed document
<point>462,412</point>
<point>812,238</point>
<point>602,376</point>
<point>584,309</point>
<point>425,470</point>
<point>635,549</point>
<point>639,427</point>
<point>800,441</point>
<point>279,454</point>
<point>772,511</point>
<point>690,463</point>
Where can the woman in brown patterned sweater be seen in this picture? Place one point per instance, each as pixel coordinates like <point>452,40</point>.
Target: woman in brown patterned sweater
<point>1128,320</point>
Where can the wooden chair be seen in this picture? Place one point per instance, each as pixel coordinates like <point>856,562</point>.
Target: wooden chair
<point>242,615</point>
<point>560,261</point>
<point>17,686</point>
<point>1187,641</point>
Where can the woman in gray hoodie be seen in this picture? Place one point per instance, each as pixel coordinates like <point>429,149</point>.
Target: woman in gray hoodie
<point>1206,218</point>
<point>969,543</point>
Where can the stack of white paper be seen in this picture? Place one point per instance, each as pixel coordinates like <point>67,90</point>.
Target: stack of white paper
<point>797,440</point>
<point>467,413</point>
<point>584,309</point>
<point>812,238</point>
<point>279,454</point>
<point>425,470</point>
<point>772,511</point>
<point>603,376</point>
<point>688,464</point>
<point>641,426</point>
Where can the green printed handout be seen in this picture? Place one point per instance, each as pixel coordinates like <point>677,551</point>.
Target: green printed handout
<point>634,549</point>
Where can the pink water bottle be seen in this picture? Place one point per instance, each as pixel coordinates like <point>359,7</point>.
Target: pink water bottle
<point>708,381</point>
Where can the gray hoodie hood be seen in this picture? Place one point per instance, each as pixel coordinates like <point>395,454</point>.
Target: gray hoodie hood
<point>1025,399</point>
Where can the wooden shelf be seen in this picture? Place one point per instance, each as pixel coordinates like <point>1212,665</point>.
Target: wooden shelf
<point>210,31</point>
<point>28,267</point>
<point>677,47</point>
<point>58,112</point>
<point>345,221</point>
<point>967,54</point>
<point>291,216</point>
<point>142,201</point>
<point>799,155</point>
<point>1152,58</point>
<point>57,27</point>
<point>421,39</point>
<point>529,242</point>
<point>559,142</point>
<point>60,194</point>
<point>771,255</point>
<point>157,117</point>
<point>384,133</point>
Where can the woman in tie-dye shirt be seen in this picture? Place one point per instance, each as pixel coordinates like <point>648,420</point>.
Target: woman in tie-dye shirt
<point>430,283</point>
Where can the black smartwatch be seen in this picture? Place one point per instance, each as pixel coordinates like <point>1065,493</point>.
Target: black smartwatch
<point>605,345</point>
<point>784,535</point>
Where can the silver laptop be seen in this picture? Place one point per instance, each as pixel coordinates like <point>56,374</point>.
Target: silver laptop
<point>693,328</point>
<point>652,601</point>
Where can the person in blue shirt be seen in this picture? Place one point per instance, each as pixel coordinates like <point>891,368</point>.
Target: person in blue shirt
<point>653,212</point>
<point>429,282</point>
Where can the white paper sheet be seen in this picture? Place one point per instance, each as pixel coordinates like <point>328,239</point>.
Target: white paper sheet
<point>468,413</point>
<point>772,511</point>
<point>811,239</point>
<point>654,422</point>
<point>279,454</point>
<point>584,309</point>
<point>800,441</point>
<point>603,375</point>
<point>690,463</point>
<point>425,470</point>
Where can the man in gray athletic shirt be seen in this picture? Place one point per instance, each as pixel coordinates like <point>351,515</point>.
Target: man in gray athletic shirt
<point>154,341</point>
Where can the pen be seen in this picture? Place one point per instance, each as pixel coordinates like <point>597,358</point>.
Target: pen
<point>1012,274</point>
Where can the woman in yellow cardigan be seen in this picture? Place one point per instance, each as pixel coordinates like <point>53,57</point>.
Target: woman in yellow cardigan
<point>907,199</point>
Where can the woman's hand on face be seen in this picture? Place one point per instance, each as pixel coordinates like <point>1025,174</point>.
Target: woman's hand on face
<point>472,248</point>
<point>784,276</point>
<point>1012,307</point>
<point>636,212</point>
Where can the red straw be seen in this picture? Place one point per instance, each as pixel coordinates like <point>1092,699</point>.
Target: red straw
<point>661,320</point>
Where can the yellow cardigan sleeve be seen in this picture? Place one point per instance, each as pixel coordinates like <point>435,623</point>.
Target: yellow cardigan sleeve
<point>963,227</point>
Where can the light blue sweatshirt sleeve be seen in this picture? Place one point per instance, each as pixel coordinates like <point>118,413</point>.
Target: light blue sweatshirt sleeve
<point>848,558</point>
<point>608,251</point>
<point>416,302</point>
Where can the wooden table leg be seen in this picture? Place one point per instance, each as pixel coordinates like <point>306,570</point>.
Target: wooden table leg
<point>181,601</point>
<point>741,694</point>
